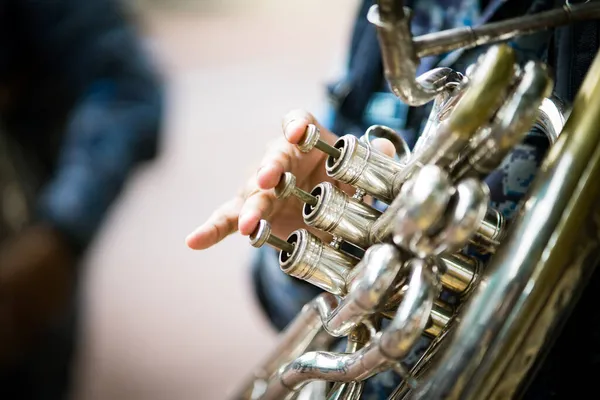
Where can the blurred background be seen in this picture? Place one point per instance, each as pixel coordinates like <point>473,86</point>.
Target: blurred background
<point>162,321</point>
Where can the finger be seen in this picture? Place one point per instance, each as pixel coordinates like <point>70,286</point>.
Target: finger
<point>256,207</point>
<point>295,120</point>
<point>294,126</point>
<point>268,176</point>
<point>385,146</point>
<point>294,131</point>
<point>219,225</point>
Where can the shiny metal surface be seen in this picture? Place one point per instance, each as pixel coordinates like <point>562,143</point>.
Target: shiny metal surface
<point>485,91</point>
<point>552,117</point>
<point>509,126</point>
<point>287,187</point>
<point>347,391</point>
<point>435,216</point>
<point>384,132</point>
<point>363,167</point>
<point>490,232</point>
<point>440,316</point>
<point>469,37</point>
<point>367,288</point>
<point>393,343</point>
<point>464,216</point>
<point>486,88</point>
<point>316,262</point>
<point>378,270</point>
<point>262,235</point>
<point>459,272</point>
<point>484,345</point>
<point>400,62</point>
<point>423,202</point>
<point>443,105</point>
<point>339,214</point>
<point>553,245</point>
<point>294,341</point>
<point>312,139</point>
<point>357,339</point>
<point>413,314</point>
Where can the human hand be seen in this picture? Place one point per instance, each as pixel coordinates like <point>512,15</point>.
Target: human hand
<point>36,277</point>
<point>257,200</point>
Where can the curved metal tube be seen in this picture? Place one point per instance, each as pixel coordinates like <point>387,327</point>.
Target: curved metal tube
<point>437,216</point>
<point>512,122</point>
<point>401,53</point>
<point>357,339</point>
<point>413,314</point>
<point>367,289</point>
<point>552,115</point>
<point>510,125</point>
<point>369,283</point>
<point>487,88</point>
<point>443,105</point>
<point>532,278</point>
<point>391,345</point>
<point>535,278</point>
<point>490,146</point>
<point>296,338</point>
<point>468,37</point>
<point>371,171</point>
<point>400,62</point>
<point>384,132</point>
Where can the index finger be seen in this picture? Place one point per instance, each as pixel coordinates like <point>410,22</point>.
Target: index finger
<point>222,223</point>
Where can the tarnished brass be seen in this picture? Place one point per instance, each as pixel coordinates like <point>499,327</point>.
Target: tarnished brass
<point>486,321</point>
<point>534,279</point>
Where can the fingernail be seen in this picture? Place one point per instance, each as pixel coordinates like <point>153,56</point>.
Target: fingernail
<point>287,123</point>
<point>295,131</point>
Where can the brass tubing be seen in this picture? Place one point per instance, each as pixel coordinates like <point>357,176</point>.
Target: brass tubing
<point>468,37</point>
<point>439,318</point>
<point>535,278</point>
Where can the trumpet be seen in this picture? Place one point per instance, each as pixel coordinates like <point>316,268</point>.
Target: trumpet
<point>514,281</point>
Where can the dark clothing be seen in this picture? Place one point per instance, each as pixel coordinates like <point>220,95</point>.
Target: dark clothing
<point>82,102</point>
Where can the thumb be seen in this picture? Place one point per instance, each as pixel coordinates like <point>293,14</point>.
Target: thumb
<point>385,146</point>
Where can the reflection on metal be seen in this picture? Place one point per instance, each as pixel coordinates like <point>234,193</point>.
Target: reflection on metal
<point>508,308</point>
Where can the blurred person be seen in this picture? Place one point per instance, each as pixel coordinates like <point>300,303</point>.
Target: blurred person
<point>362,98</point>
<point>81,106</point>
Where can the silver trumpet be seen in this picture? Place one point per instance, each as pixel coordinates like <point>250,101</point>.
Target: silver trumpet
<point>389,299</point>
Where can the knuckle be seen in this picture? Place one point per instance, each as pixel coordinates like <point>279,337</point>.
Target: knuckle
<point>286,160</point>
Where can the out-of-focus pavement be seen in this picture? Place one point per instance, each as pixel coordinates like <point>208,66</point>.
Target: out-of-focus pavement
<point>163,321</point>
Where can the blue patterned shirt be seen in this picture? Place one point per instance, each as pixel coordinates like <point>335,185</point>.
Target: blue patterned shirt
<point>84,102</point>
